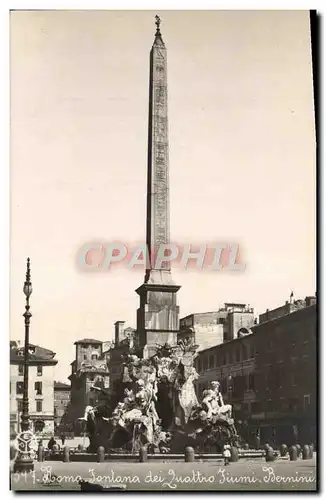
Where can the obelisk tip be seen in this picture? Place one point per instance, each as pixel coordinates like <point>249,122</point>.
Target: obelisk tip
<point>158,23</point>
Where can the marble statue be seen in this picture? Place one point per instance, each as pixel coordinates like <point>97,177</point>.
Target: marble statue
<point>213,401</point>
<point>159,408</point>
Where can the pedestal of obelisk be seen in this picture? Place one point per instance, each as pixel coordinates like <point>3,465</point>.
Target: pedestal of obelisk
<point>158,314</point>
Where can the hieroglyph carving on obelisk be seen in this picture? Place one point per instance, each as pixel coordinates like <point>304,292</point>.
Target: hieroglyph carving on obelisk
<point>158,211</point>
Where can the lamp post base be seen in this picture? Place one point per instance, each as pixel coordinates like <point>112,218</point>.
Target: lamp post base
<point>23,464</point>
<point>27,446</point>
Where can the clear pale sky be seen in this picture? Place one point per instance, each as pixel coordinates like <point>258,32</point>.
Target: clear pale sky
<point>242,160</point>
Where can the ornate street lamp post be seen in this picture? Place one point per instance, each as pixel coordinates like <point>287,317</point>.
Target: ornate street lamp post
<point>26,438</point>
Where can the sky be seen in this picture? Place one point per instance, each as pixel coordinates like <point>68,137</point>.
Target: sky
<point>242,160</point>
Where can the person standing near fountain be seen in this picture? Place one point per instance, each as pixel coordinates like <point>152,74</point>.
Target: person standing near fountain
<point>226,454</point>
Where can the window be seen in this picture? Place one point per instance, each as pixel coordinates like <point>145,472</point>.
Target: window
<point>294,379</point>
<point>252,353</point>
<point>205,364</point>
<point>39,370</point>
<point>19,388</point>
<point>244,352</point>
<point>245,407</point>
<point>223,386</point>
<point>39,406</point>
<point>211,361</point>
<point>38,388</point>
<point>39,425</point>
<point>284,404</point>
<point>230,385</point>
<point>237,355</point>
<point>293,404</point>
<point>20,369</point>
<point>251,382</point>
<point>255,407</point>
<point>270,405</point>
<point>306,401</point>
<point>19,405</point>
<point>279,375</point>
<point>199,365</point>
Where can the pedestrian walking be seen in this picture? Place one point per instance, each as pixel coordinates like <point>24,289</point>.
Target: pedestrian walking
<point>226,454</point>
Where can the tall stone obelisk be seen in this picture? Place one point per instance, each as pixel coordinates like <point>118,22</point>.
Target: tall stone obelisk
<point>158,314</point>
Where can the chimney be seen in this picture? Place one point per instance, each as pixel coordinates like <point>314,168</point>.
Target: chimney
<point>310,301</point>
<point>119,331</point>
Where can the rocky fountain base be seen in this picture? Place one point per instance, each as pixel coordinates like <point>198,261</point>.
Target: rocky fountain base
<point>157,407</point>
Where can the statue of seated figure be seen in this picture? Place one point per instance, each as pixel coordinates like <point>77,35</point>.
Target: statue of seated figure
<point>213,402</point>
<point>126,410</point>
<point>136,405</point>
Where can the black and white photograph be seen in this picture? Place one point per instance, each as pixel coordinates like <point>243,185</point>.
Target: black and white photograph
<point>163,241</point>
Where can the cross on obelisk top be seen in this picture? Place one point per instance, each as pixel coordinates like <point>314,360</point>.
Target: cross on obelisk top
<point>158,23</point>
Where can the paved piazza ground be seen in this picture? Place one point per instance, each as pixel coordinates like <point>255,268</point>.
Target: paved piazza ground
<point>173,476</point>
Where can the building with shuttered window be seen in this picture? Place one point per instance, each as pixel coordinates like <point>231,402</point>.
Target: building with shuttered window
<point>40,389</point>
<point>269,375</point>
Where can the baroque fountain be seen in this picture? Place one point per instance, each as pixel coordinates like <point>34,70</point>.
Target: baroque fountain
<point>157,407</point>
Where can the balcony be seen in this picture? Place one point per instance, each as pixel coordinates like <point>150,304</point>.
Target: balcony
<point>44,413</point>
<point>257,416</point>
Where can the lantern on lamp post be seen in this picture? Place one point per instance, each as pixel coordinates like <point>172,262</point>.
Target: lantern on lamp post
<point>26,439</point>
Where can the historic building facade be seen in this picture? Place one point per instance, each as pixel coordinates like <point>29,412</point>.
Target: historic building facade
<point>233,365</point>
<point>285,365</point>
<point>40,388</point>
<point>124,344</point>
<point>89,368</point>
<point>269,375</point>
<point>209,329</point>
<point>62,409</point>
